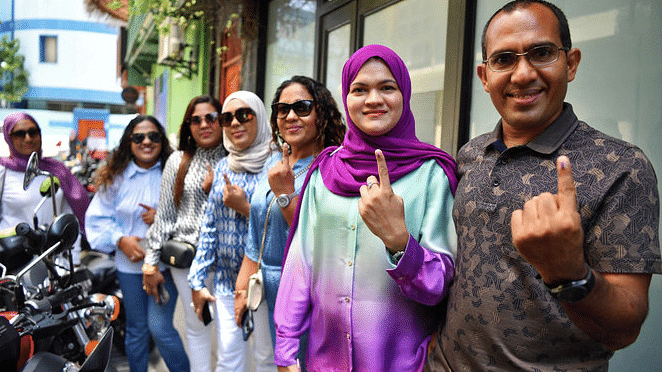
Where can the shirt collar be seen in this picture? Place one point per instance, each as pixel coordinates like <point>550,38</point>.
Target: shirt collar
<point>133,168</point>
<point>550,139</point>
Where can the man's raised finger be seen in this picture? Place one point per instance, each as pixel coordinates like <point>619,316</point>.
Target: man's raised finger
<point>567,194</point>
<point>227,180</point>
<point>384,180</point>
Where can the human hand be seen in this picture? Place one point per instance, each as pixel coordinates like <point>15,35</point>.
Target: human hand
<point>234,197</point>
<point>130,246</point>
<point>548,233</point>
<point>200,298</point>
<point>151,282</point>
<point>148,214</point>
<point>208,181</point>
<point>292,368</point>
<point>239,306</point>
<point>382,210</point>
<point>281,176</point>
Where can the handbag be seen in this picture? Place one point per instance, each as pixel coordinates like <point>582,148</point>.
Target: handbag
<point>255,290</point>
<point>177,253</point>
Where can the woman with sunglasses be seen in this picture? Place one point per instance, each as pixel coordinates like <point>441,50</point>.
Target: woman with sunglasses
<point>121,211</point>
<point>372,246</point>
<point>304,119</point>
<point>23,137</point>
<point>224,228</point>
<point>181,203</point>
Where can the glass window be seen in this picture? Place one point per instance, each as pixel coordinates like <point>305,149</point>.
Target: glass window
<point>291,43</point>
<point>416,30</point>
<point>617,91</point>
<point>48,49</point>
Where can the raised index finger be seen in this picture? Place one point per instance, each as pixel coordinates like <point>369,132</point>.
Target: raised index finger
<point>227,180</point>
<point>384,180</point>
<point>567,194</point>
<point>286,155</point>
<point>145,206</point>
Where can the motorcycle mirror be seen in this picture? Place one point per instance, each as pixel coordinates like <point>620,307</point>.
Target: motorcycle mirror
<point>98,359</point>
<point>32,170</point>
<point>65,228</point>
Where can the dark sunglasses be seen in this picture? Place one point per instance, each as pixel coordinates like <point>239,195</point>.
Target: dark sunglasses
<point>243,115</point>
<point>210,118</point>
<point>301,108</point>
<point>33,132</point>
<point>140,137</point>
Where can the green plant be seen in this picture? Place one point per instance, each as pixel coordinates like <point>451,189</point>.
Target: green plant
<point>13,77</point>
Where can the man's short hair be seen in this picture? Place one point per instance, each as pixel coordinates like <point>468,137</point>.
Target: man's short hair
<point>564,29</point>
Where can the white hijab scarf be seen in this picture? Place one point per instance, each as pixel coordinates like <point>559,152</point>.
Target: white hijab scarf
<point>253,157</point>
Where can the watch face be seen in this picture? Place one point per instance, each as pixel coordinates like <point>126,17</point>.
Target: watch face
<point>573,294</point>
<point>282,201</point>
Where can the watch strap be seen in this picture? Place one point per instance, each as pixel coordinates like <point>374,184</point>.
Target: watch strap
<point>574,290</point>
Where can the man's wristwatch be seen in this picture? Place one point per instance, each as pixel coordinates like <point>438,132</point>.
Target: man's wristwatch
<point>574,291</point>
<point>283,200</point>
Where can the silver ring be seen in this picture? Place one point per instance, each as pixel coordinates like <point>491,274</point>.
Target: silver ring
<point>372,183</point>
<point>191,304</point>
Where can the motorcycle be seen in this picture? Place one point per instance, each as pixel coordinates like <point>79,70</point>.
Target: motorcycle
<point>46,305</point>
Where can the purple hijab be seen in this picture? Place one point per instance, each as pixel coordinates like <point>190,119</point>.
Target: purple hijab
<point>345,169</point>
<point>74,192</point>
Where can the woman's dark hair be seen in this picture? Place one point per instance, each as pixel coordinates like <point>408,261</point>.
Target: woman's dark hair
<point>564,29</point>
<point>122,155</point>
<point>188,144</point>
<point>330,124</point>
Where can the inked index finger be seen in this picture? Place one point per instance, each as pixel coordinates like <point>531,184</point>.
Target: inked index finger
<point>567,194</point>
<point>227,180</point>
<point>384,179</point>
<point>286,155</point>
<point>145,206</point>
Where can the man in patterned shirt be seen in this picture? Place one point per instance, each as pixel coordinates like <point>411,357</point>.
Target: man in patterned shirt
<point>557,223</point>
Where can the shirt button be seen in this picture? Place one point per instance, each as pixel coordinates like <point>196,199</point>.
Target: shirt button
<point>347,336</point>
<point>346,299</point>
<point>349,263</point>
<point>495,183</point>
<point>353,227</point>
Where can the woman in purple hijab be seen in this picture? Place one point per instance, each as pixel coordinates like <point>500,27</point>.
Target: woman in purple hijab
<point>23,136</point>
<point>372,245</point>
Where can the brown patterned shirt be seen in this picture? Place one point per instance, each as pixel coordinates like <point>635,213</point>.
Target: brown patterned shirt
<point>500,315</point>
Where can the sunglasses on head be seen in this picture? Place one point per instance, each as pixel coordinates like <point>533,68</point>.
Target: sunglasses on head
<point>140,137</point>
<point>33,132</point>
<point>243,115</point>
<point>210,118</point>
<point>301,108</point>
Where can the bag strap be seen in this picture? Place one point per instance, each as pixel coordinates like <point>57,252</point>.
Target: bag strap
<point>264,234</point>
<point>3,170</point>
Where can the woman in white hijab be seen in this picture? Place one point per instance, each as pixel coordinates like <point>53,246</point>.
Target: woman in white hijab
<point>246,136</point>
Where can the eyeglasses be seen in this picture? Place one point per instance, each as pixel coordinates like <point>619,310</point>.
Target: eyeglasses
<point>301,108</point>
<point>210,118</point>
<point>140,137</point>
<point>538,56</point>
<point>243,115</point>
<point>33,132</point>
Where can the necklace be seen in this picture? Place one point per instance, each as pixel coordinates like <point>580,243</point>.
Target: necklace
<point>304,169</point>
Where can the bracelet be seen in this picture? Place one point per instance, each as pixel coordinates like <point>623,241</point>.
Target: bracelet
<point>149,269</point>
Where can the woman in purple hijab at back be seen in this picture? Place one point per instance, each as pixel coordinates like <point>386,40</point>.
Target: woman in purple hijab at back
<point>372,245</point>
<point>23,136</point>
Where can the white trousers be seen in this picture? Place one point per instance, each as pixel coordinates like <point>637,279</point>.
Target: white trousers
<point>233,351</point>
<point>198,336</point>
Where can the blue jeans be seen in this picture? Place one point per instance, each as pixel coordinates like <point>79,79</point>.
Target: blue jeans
<point>145,316</point>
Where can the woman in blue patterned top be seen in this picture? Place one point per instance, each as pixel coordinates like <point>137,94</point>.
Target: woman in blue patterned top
<point>224,228</point>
